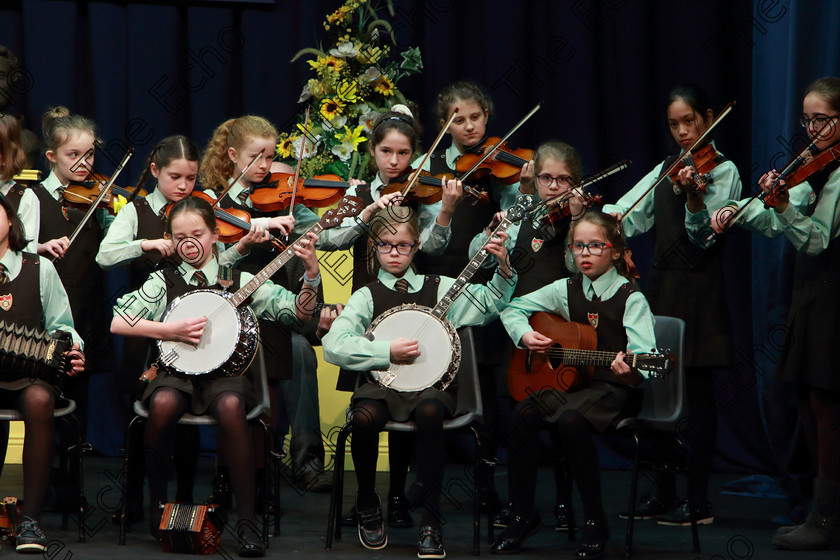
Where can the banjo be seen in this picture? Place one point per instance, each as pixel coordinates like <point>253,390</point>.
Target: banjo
<point>232,334</point>
<point>440,346</point>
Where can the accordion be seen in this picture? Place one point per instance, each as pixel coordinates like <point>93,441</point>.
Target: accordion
<point>33,353</point>
<point>10,514</point>
<point>190,528</point>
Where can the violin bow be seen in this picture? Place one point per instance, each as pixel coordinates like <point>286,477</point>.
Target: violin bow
<point>230,185</point>
<point>93,206</point>
<point>416,175</point>
<point>585,184</point>
<point>687,151</point>
<point>489,152</point>
<point>300,160</point>
<point>761,194</point>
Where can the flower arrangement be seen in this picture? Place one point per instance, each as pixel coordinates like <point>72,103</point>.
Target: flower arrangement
<point>354,82</point>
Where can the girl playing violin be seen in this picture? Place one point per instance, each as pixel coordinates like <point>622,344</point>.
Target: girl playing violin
<point>686,264</point>
<point>70,142</point>
<point>538,251</point>
<point>462,220</point>
<point>603,287</point>
<point>394,241</point>
<point>33,297</point>
<point>192,228</point>
<point>808,214</point>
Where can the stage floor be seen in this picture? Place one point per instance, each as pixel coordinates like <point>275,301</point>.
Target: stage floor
<point>742,529</point>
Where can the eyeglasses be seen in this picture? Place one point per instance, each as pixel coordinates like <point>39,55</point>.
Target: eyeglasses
<point>402,248</point>
<point>819,120</point>
<point>545,180</point>
<point>595,248</point>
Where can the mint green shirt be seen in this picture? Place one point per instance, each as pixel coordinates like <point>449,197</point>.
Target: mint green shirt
<point>638,320</point>
<point>725,186</point>
<point>346,346</point>
<point>54,303</point>
<point>269,301</point>
<point>120,245</point>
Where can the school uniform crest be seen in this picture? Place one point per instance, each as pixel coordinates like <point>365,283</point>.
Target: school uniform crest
<point>6,302</point>
<point>593,319</point>
<point>536,244</point>
<point>813,198</point>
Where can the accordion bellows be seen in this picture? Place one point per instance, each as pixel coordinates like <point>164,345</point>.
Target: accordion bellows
<point>32,353</point>
<point>190,528</point>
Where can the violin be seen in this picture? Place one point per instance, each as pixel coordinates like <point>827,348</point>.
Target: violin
<point>505,164</point>
<point>276,194</point>
<point>801,173</point>
<point>703,160</point>
<point>81,195</point>
<point>563,209</point>
<point>429,188</point>
<point>233,223</point>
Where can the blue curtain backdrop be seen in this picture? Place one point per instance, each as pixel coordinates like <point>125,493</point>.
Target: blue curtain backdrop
<point>145,70</point>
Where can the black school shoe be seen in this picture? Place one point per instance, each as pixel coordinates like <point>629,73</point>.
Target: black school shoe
<point>398,514</point>
<point>650,507</point>
<point>564,517</point>
<point>371,525</point>
<point>502,519</point>
<point>593,541</point>
<point>29,538</point>
<point>519,529</point>
<point>431,543</point>
<point>680,517</point>
<point>250,545</point>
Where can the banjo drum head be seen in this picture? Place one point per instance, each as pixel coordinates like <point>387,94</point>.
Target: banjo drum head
<point>436,351</point>
<point>221,333</point>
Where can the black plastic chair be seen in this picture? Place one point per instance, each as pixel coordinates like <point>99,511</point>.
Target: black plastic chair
<point>70,457</point>
<point>254,417</point>
<point>469,399</point>
<point>662,412</point>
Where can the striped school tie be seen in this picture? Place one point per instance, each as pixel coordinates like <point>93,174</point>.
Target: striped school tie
<point>199,279</point>
<point>402,286</point>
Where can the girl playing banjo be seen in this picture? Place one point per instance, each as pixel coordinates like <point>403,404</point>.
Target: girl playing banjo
<point>394,238</point>
<point>192,227</point>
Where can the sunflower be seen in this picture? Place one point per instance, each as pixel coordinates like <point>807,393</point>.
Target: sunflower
<point>326,64</point>
<point>384,85</point>
<point>330,108</point>
<point>284,148</point>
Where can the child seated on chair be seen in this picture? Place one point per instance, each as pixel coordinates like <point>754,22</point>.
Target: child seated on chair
<point>394,240</point>
<point>192,227</point>
<point>31,295</point>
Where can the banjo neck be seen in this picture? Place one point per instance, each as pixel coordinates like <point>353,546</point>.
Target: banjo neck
<point>279,261</point>
<point>469,271</point>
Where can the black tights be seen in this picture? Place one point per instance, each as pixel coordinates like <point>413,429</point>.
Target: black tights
<point>36,404</point>
<point>369,418</point>
<point>574,435</point>
<point>699,432</point>
<point>819,410</point>
<point>166,406</point>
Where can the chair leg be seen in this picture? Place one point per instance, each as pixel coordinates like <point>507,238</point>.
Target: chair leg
<point>692,513</point>
<point>334,521</point>
<point>634,483</point>
<point>274,499</point>
<point>77,461</point>
<point>136,421</point>
<point>476,513</point>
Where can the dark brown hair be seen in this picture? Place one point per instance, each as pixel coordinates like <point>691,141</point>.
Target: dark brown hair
<point>17,239</point>
<point>395,120</point>
<point>167,150</point>
<point>12,156</point>
<point>464,91</point>
<point>192,204</point>
<point>612,231</point>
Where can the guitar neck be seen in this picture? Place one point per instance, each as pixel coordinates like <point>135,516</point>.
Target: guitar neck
<point>469,271</point>
<point>575,357</point>
<point>279,261</point>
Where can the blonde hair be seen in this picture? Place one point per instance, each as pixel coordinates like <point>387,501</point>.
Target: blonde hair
<point>58,126</point>
<point>12,156</point>
<point>389,219</point>
<point>216,167</point>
